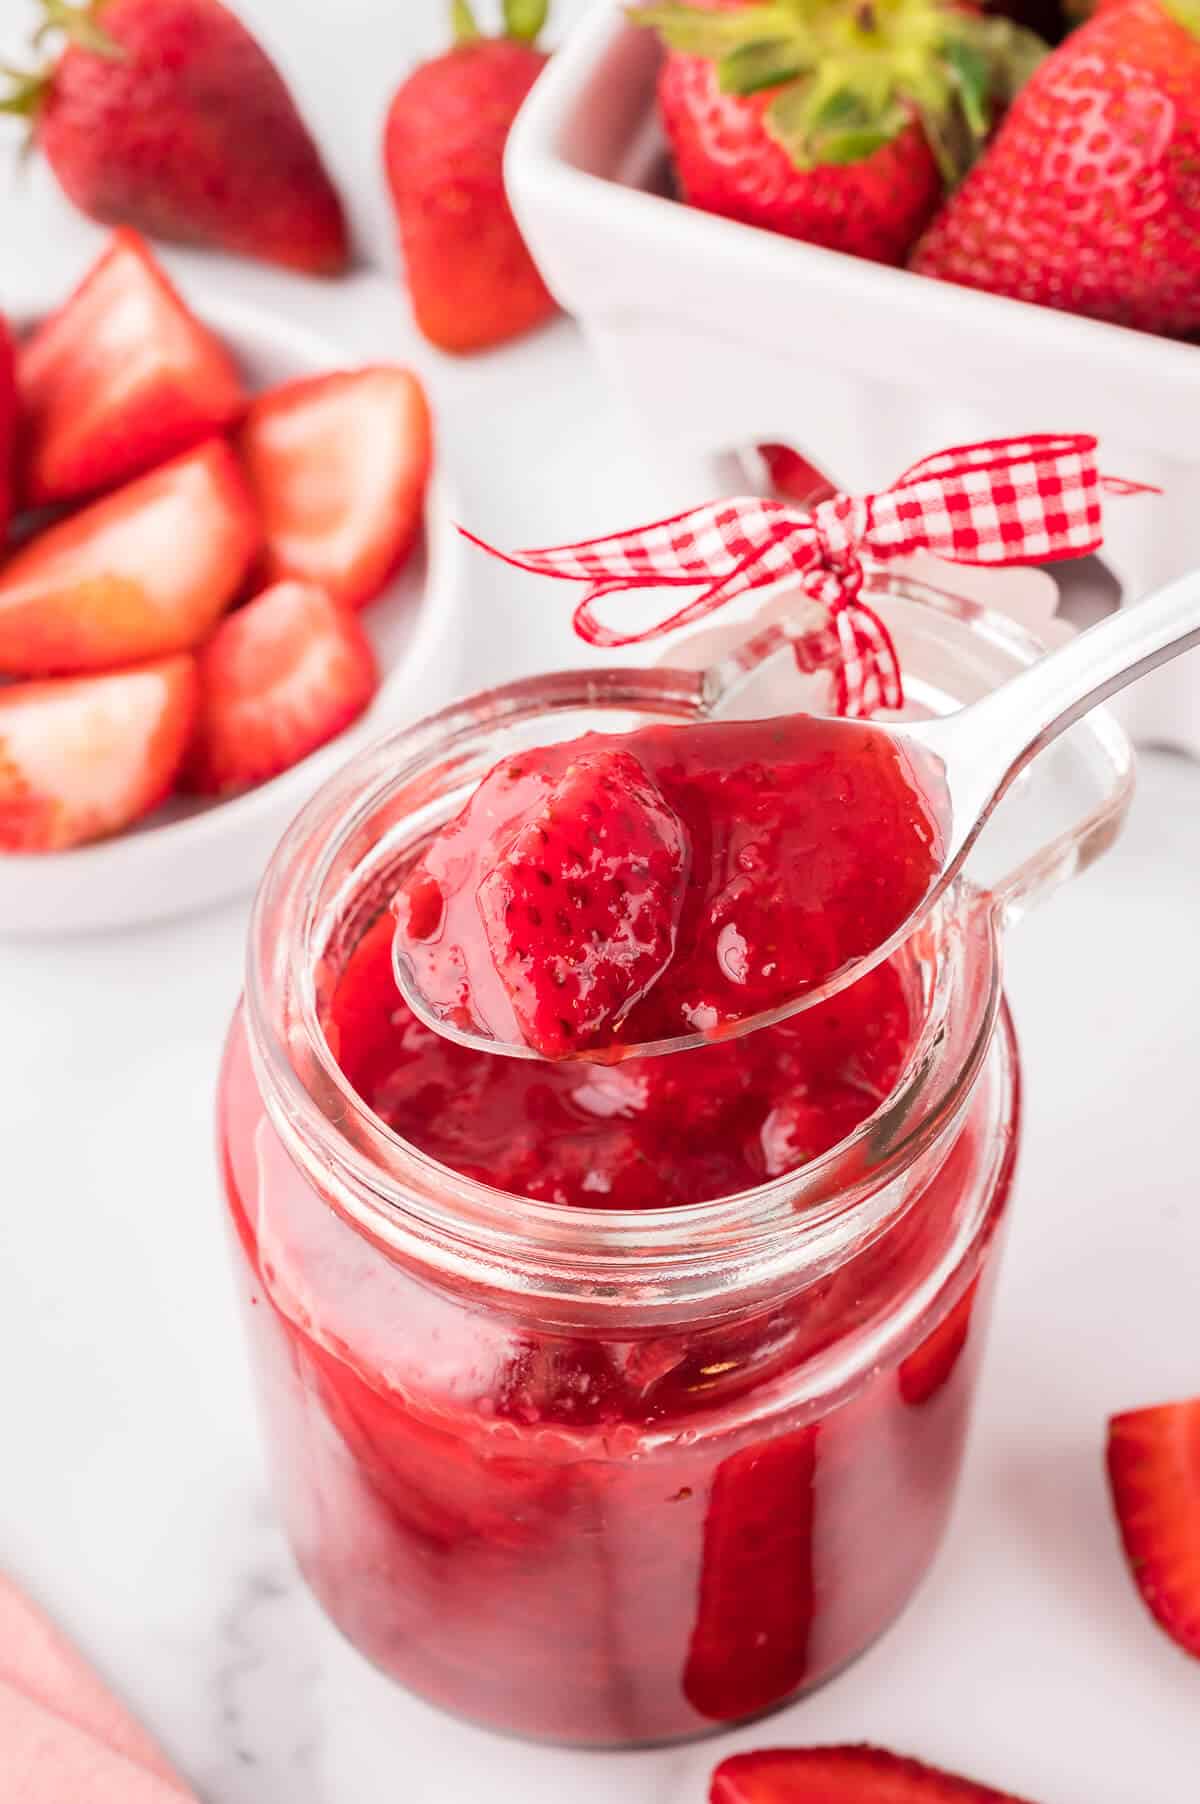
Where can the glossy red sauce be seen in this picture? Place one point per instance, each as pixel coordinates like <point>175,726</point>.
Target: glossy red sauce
<point>605,892</point>
<point>646,1133</point>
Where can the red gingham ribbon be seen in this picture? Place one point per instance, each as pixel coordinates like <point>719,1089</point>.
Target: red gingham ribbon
<point>1008,501</point>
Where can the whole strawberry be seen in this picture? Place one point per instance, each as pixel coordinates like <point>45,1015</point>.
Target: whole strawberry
<point>1089,199</point>
<point>840,124</point>
<point>471,280</point>
<point>168,116</point>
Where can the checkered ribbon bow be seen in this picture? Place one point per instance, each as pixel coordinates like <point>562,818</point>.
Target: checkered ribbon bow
<point>1010,501</point>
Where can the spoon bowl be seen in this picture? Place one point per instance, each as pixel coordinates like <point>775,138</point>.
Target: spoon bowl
<point>960,765</point>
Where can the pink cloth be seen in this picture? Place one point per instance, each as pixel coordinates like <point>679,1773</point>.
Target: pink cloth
<point>63,1736</point>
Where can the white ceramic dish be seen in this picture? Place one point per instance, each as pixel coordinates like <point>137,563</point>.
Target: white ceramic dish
<point>723,336</point>
<point>189,855</point>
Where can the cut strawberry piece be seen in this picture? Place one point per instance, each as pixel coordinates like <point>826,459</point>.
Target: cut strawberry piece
<point>8,425</point>
<point>842,1775</point>
<point>85,756</point>
<point>278,678</point>
<point>581,910</point>
<point>749,1648</point>
<point>1154,1470</point>
<point>119,379</point>
<point>339,465</point>
<point>144,572</point>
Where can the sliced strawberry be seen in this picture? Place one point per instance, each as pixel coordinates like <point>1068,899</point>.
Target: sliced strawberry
<point>144,572</point>
<point>119,379</point>
<point>1154,1470</point>
<point>749,1648</point>
<point>8,424</point>
<point>339,465</point>
<point>278,678</point>
<point>85,756</point>
<point>842,1775</point>
<point>581,910</point>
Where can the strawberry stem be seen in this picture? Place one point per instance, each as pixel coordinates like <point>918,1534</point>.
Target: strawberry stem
<point>462,23</point>
<point>525,19</point>
<point>848,76</point>
<point>79,24</point>
<point>26,92</point>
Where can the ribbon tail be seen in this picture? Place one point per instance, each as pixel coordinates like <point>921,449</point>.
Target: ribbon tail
<point>594,630</point>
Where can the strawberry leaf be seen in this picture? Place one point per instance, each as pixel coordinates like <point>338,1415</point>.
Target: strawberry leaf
<point>694,32</point>
<point>525,19</point>
<point>973,78</point>
<point>758,66</point>
<point>79,25</point>
<point>462,23</point>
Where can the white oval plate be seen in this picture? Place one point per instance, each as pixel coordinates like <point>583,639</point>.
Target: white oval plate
<point>187,854</point>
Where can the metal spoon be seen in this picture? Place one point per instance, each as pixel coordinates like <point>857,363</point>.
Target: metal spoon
<point>962,763</point>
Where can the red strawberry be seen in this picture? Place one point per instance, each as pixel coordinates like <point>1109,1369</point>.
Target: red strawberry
<point>120,378</point>
<point>277,679</point>
<point>167,115</point>
<point>749,1648</point>
<point>339,465</point>
<point>1089,197</point>
<point>9,409</point>
<point>471,280</point>
<point>793,477</point>
<point>143,572</point>
<point>838,124</point>
<point>1154,1470</point>
<point>581,910</point>
<point>85,756</point>
<point>842,1775</point>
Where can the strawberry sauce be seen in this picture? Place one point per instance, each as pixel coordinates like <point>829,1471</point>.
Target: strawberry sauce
<point>607,892</point>
<point>612,1534</point>
<point>680,1129</point>
<point>618,1481</point>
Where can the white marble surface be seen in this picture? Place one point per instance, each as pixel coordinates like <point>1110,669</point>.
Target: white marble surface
<point>132,1497</point>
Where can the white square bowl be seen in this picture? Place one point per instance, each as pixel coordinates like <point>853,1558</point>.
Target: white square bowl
<point>724,336</point>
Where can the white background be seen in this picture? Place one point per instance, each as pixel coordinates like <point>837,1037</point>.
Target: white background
<point>132,1499</point>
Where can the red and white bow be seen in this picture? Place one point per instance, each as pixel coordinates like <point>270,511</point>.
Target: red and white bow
<point>1010,501</point>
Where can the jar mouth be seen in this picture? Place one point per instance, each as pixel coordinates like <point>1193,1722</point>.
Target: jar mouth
<point>330,878</point>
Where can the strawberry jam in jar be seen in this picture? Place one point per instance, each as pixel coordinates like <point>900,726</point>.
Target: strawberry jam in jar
<point>614,1403</point>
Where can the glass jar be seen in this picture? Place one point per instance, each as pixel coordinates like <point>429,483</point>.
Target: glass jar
<point>615,1478</point>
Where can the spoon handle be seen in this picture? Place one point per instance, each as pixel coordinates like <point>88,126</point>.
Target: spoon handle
<point>1015,722</point>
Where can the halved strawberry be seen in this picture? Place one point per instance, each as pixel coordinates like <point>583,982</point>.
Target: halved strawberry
<point>1154,1471</point>
<point>277,679</point>
<point>581,910</point>
<point>842,1775</point>
<point>144,572</point>
<point>122,377</point>
<point>339,465</point>
<point>84,756</point>
<point>8,424</point>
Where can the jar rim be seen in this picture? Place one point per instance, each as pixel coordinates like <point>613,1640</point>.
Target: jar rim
<point>410,1203</point>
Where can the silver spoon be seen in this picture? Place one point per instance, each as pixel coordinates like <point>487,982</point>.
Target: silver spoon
<point>962,763</point>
